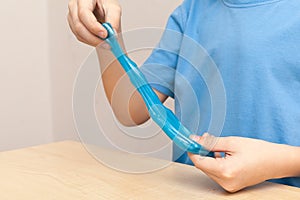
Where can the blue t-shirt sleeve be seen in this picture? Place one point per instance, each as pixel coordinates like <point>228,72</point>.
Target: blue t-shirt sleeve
<point>159,68</point>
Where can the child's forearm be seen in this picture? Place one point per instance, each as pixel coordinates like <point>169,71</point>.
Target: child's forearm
<point>126,102</point>
<point>118,88</point>
<point>111,70</point>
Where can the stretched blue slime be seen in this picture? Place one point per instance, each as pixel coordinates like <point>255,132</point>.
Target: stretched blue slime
<point>161,115</point>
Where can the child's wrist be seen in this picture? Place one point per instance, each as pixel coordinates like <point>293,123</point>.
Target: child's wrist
<point>287,162</point>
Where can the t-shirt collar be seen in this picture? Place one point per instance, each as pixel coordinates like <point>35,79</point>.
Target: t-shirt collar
<point>247,3</point>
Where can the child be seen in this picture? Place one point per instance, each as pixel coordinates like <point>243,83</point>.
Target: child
<point>254,45</point>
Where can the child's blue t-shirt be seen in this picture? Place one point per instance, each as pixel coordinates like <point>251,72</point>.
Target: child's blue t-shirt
<point>253,45</point>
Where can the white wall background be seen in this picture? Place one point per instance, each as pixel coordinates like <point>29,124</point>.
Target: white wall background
<point>25,81</point>
<point>39,61</point>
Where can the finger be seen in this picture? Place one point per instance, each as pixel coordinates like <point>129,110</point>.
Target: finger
<point>99,11</point>
<point>70,22</point>
<point>113,16</point>
<point>83,35</point>
<point>206,164</point>
<point>71,6</point>
<point>212,173</point>
<point>71,25</point>
<point>216,144</point>
<point>80,30</point>
<point>88,19</point>
<point>87,36</point>
<point>72,15</point>
<point>72,29</point>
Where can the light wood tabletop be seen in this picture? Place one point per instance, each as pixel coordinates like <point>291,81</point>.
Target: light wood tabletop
<point>65,170</point>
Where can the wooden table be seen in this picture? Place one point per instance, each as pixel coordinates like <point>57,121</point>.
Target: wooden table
<point>65,170</point>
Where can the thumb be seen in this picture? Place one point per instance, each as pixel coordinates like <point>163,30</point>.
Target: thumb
<point>113,16</point>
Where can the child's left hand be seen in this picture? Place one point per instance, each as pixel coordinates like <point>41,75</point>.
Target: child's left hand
<point>247,161</point>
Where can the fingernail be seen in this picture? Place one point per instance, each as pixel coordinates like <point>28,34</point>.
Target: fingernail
<point>205,135</point>
<point>195,137</point>
<point>102,35</point>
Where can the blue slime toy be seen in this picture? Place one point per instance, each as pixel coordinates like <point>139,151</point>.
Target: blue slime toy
<point>161,115</point>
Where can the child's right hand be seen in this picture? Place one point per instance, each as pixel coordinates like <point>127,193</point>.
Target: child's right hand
<point>85,18</point>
